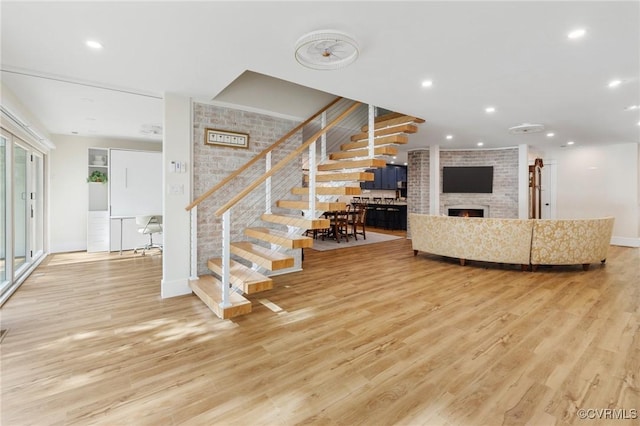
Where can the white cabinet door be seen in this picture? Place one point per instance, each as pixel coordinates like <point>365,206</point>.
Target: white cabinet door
<point>135,183</point>
<point>98,231</point>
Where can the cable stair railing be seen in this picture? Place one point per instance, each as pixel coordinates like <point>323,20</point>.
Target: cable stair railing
<point>266,236</point>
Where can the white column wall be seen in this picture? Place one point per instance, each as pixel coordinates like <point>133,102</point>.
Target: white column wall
<point>434,180</point>
<point>523,182</point>
<point>177,144</point>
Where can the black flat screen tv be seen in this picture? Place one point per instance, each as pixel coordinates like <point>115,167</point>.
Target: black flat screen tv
<point>478,179</point>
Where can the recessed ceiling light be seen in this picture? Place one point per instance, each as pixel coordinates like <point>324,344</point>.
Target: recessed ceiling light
<point>427,83</point>
<point>393,162</point>
<point>405,164</point>
<point>489,110</point>
<point>632,107</point>
<point>550,134</point>
<point>638,123</point>
<point>480,143</point>
<point>615,83</point>
<point>449,137</point>
<point>577,33</point>
<point>394,157</point>
<point>94,44</point>
<point>570,143</point>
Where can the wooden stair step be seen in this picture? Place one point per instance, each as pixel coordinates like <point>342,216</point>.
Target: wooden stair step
<point>349,176</point>
<point>280,238</point>
<point>329,190</point>
<point>304,205</point>
<point>393,121</point>
<point>385,140</point>
<point>383,150</point>
<point>407,128</point>
<point>209,290</point>
<point>242,276</point>
<point>267,258</point>
<point>367,163</point>
<point>297,221</point>
<point>393,115</point>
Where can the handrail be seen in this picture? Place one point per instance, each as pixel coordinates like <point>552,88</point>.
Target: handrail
<point>285,160</point>
<point>259,156</point>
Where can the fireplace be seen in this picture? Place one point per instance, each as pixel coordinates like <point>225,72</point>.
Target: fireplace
<point>467,211</point>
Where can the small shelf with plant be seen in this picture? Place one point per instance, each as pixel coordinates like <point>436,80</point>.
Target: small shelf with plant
<point>97,176</point>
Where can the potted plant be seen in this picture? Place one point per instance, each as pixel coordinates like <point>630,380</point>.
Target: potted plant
<point>97,176</point>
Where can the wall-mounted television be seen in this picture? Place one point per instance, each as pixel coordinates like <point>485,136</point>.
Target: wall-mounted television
<point>476,179</point>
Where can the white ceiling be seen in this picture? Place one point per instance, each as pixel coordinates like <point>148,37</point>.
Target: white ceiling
<point>513,55</point>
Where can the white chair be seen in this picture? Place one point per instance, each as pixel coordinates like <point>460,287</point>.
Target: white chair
<point>149,225</point>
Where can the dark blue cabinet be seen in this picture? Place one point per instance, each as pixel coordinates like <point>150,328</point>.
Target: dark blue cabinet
<point>386,178</point>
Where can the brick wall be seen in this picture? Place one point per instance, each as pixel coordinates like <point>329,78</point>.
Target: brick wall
<point>418,183</point>
<point>503,202</point>
<point>214,163</point>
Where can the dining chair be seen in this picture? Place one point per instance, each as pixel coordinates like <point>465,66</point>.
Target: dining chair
<point>359,220</point>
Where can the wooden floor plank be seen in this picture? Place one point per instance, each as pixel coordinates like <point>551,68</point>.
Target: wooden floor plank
<point>363,335</point>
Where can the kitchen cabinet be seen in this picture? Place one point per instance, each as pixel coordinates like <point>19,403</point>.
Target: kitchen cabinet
<point>386,178</point>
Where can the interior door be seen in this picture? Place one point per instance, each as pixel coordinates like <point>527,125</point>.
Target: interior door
<point>548,189</point>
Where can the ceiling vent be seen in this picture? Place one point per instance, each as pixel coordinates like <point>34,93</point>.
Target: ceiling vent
<point>525,128</point>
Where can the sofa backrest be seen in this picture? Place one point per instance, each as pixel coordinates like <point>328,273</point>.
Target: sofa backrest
<point>570,241</point>
<point>485,239</point>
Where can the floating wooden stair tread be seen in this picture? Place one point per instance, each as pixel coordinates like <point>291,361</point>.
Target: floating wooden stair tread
<point>242,276</point>
<point>385,140</point>
<point>267,258</point>
<point>297,221</point>
<point>407,128</point>
<point>349,176</point>
<point>209,290</point>
<point>396,121</point>
<point>367,163</point>
<point>280,238</point>
<point>329,190</point>
<point>383,150</point>
<point>304,205</point>
<point>393,115</point>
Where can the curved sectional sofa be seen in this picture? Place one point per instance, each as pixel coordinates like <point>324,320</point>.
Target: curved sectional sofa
<point>528,242</point>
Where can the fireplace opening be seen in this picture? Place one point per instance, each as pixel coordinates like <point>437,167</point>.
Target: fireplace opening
<point>466,212</point>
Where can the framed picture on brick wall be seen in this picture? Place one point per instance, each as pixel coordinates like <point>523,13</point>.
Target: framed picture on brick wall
<point>226,138</point>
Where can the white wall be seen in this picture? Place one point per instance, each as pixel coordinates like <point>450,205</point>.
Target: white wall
<point>601,181</point>
<point>68,187</point>
<point>176,258</point>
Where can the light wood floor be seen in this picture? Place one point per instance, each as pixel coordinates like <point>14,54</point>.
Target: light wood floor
<point>368,335</point>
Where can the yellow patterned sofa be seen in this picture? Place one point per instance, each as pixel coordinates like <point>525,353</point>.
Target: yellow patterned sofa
<point>570,241</point>
<point>518,241</point>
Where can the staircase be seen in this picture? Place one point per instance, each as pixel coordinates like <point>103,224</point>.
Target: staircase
<point>339,175</point>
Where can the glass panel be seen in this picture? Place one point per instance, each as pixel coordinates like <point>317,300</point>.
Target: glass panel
<point>20,207</point>
<point>3,210</point>
<point>37,205</point>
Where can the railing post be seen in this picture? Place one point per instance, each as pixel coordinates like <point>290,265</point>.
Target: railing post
<point>372,130</point>
<point>226,258</point>
<point>312,180</point>
<point>323,138</point>
<point>194,243</point>
<point>267,186</point>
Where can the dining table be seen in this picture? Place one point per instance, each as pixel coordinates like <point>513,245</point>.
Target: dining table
<point>340,221</point>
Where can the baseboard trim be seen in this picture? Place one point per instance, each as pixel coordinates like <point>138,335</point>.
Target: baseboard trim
<point>625,241</point>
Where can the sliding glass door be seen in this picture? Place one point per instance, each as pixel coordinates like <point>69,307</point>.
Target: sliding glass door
<point>3,213</point>
<point>21,210</point>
